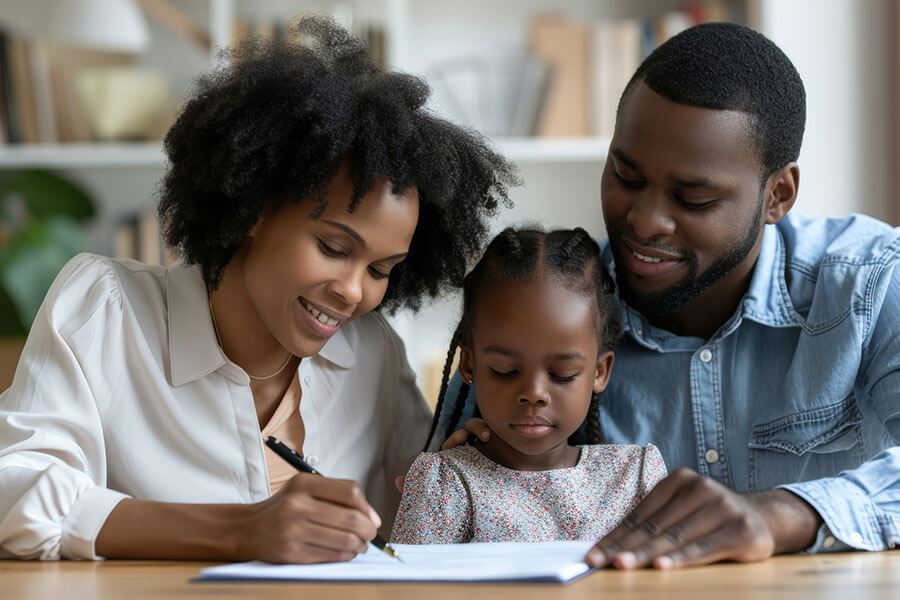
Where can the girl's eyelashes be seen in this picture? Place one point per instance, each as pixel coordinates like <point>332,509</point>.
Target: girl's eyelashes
<point>564,378</point>
<point>509,374</point>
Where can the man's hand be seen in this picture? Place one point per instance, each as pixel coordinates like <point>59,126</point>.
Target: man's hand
<point>475,427</point>
<point>688,519</point>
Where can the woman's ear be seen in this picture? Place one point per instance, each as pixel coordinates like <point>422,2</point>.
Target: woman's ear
<point>466,365</point>
<point>604,370</point>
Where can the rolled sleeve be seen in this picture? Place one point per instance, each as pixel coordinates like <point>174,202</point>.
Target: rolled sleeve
<point>860,508</point>
<point>82,525</point>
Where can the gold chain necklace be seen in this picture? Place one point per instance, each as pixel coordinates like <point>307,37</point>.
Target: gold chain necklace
<point>219,339</point>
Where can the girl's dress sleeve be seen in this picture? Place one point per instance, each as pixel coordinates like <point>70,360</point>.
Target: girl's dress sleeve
<point>436,508</point>
<point>653,469</point>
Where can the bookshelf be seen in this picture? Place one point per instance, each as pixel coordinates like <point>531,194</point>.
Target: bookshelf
<point>561,174</point>
<point>82,155</point>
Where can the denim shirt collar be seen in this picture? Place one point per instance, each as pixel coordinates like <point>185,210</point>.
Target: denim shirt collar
<point>766,302</point>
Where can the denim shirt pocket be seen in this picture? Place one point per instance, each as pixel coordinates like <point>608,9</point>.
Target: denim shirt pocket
<point>807,445</point>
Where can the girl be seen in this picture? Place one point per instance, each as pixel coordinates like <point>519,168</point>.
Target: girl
<point>305,189</point>
<point>535,339</point>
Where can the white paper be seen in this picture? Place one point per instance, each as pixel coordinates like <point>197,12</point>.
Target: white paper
<point>559,561</point>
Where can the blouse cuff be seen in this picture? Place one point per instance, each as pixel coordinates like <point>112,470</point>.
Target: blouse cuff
<point>83,523</point>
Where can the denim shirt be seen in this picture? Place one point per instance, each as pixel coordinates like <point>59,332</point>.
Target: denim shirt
<point>799,389</point>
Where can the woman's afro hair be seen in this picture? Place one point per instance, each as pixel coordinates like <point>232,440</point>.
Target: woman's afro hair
<point>275,121</point>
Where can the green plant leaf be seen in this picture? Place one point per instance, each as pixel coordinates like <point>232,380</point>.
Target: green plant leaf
<point>32,260</point>
<point>46,194</point>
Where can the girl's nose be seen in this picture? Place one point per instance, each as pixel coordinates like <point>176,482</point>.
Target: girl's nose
<point>534,393</point>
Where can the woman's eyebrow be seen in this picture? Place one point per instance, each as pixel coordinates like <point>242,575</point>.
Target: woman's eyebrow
<point>359,239</point>
<point>348,230</point>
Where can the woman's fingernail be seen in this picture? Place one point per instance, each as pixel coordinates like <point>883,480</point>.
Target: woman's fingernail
<point>485,435</point>
<point>663,562</point>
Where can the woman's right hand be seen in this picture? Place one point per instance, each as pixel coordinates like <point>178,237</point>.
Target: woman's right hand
<point>311,519</point>
<point>475,427</point>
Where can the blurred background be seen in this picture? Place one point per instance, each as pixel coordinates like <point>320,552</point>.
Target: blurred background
<point>89,87</point>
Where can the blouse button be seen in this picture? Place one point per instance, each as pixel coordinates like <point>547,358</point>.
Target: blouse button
<point>312,460</point>
<point>307,381</point>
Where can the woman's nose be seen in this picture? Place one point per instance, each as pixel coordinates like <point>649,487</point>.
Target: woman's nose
<point>348,288</point>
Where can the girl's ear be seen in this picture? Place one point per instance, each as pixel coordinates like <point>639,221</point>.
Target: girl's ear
<point>466,364</point>
<point>604,370</point>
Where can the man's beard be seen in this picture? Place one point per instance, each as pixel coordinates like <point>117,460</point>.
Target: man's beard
<point>692,285</point>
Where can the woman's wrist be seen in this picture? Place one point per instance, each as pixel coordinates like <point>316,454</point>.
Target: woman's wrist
<point>146,529</point>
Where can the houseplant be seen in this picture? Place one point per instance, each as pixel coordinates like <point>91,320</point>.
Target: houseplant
<point>42,217</point>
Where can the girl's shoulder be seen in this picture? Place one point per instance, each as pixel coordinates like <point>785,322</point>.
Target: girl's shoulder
<point>607,454</point>
<point>459,460</point>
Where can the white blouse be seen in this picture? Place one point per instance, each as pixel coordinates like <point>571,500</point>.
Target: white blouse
<point>123,391</point>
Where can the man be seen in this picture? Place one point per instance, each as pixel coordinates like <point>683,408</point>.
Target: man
<point>761,350</point>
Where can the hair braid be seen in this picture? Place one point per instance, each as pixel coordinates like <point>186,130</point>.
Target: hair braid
<point>594,434</point>
<point>445,380</point>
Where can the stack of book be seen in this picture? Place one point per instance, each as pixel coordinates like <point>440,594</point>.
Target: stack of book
<point>38,99</point>
<point>591,63</point>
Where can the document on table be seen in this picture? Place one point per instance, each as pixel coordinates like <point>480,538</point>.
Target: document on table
<point>559,561</point>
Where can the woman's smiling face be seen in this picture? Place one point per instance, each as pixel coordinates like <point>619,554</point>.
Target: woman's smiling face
<point>307,275</point>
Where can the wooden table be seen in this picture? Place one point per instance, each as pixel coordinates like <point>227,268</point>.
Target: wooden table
<point>839,576</point>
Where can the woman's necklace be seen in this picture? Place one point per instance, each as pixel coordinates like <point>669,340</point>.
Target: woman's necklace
<point>219,338</point>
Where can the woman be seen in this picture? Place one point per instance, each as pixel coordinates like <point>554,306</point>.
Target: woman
<point>306,188</point>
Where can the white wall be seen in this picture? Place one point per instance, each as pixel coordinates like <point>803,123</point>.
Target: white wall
<point>842,49</point>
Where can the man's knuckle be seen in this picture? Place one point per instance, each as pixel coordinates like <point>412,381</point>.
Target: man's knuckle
<point>675,535</point>
<point>650,527</point>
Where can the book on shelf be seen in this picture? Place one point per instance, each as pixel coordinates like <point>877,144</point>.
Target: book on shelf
<point>563,44</point>
<point>137,236</point>
<point>592,62</point>
<point>39,103</point>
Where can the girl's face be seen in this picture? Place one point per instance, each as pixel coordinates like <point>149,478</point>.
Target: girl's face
<point>306,277</point>
<point>535,363</point>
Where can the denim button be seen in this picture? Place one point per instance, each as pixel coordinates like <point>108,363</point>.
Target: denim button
<point>706,355</point>
<point>829,542</point>
<point>712,456</point>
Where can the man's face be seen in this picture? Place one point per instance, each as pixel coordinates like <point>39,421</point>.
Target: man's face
<point>682,200</point>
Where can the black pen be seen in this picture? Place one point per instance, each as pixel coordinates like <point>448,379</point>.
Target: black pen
<point>296,461</point>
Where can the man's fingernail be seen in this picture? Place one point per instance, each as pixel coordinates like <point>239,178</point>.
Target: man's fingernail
<point>625,560</point>
<point>485,435</point>
<point>596,558</point>
<point>663,562</point>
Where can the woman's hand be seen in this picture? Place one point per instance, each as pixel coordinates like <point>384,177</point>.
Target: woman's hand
<point>475,427</point>
<point>311,519</point>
